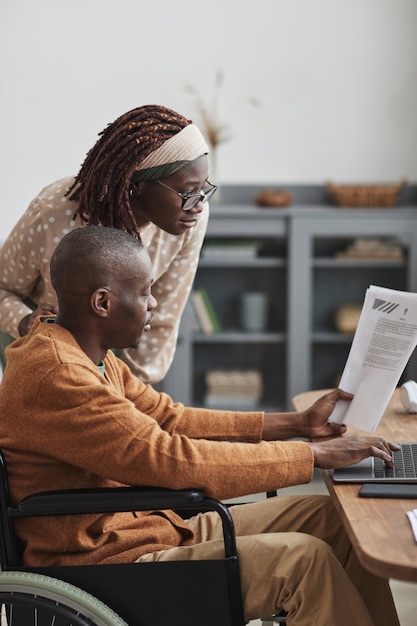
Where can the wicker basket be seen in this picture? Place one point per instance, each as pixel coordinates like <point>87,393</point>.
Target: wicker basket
<point>347,317</point>
<point>273,198</point>
<point>365,195</point>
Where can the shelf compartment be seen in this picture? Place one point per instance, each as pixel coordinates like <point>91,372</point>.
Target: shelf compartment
<point>225,287</point>
<point>331,290</point>
<point>268,358</point>
<point>362,248</point>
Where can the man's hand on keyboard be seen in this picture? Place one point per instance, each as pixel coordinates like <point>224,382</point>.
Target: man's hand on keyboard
<point>351,449</point>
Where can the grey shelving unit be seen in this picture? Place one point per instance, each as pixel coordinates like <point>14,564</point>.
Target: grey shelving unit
<point>318,283</point>
<point>296,267</point>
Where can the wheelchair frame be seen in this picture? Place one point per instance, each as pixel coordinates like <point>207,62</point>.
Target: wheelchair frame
<point>179,593</point>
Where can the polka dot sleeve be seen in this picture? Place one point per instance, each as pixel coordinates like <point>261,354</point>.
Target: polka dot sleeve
<point>25,255</point>
<point>19,269</point>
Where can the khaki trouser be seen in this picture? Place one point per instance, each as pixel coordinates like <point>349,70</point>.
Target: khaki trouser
<point>295,555</point>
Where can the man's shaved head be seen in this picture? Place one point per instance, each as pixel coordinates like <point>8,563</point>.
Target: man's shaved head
<point>87,257</point>
<point>103,279</point>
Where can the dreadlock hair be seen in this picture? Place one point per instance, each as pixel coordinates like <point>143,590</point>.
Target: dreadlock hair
<point>101,187</point>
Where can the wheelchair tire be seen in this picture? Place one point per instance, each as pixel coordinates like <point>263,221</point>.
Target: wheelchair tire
<point>27,598</point>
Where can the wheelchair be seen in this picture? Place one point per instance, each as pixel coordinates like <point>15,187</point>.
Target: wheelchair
<point>174,593</point>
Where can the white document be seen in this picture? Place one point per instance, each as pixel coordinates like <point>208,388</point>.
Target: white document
<point>384,340</point>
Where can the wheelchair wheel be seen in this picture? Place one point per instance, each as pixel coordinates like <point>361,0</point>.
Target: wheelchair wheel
<point>33,599</point>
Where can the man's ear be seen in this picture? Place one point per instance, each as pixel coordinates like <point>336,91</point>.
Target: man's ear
<point>100,301</point>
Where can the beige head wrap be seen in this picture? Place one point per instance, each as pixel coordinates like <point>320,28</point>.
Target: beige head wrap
<point>175,153</point>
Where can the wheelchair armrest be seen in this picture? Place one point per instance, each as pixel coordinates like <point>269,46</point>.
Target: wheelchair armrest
<point>106,500</point>
<point>122,499</point>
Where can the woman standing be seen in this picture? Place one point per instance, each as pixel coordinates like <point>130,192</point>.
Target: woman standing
<point>148,175</point>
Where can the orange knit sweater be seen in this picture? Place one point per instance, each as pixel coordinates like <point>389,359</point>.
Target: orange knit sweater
<point>64,425</point>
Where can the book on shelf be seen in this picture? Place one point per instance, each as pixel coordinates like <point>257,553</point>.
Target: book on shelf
<point>240,381</point>
<point>230,249</point>
<point>231,403</point>
<point>211,310</point>
<point>234,389</point>
<point>205,312</point>
<point>194,320</point>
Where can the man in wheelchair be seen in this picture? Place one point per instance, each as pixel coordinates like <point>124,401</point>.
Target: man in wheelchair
<point>73,416</point>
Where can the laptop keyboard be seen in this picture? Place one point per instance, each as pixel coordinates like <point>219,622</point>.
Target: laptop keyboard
<point>405,463</point>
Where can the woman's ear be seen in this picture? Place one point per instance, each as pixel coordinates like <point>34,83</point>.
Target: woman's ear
<point>100,301</point>
<point>135,189</point>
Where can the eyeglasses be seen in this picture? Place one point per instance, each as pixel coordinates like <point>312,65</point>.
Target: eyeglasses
<point>189,200</point>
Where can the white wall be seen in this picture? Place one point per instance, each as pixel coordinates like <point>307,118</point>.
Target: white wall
<point>337,82</point>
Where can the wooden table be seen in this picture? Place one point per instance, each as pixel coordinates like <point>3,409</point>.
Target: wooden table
<point>377,527</point>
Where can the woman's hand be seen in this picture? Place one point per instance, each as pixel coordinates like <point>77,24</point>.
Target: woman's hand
<point>43,309</point>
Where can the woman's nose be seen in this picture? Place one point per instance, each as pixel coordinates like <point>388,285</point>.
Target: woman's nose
<point>197,208</point>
